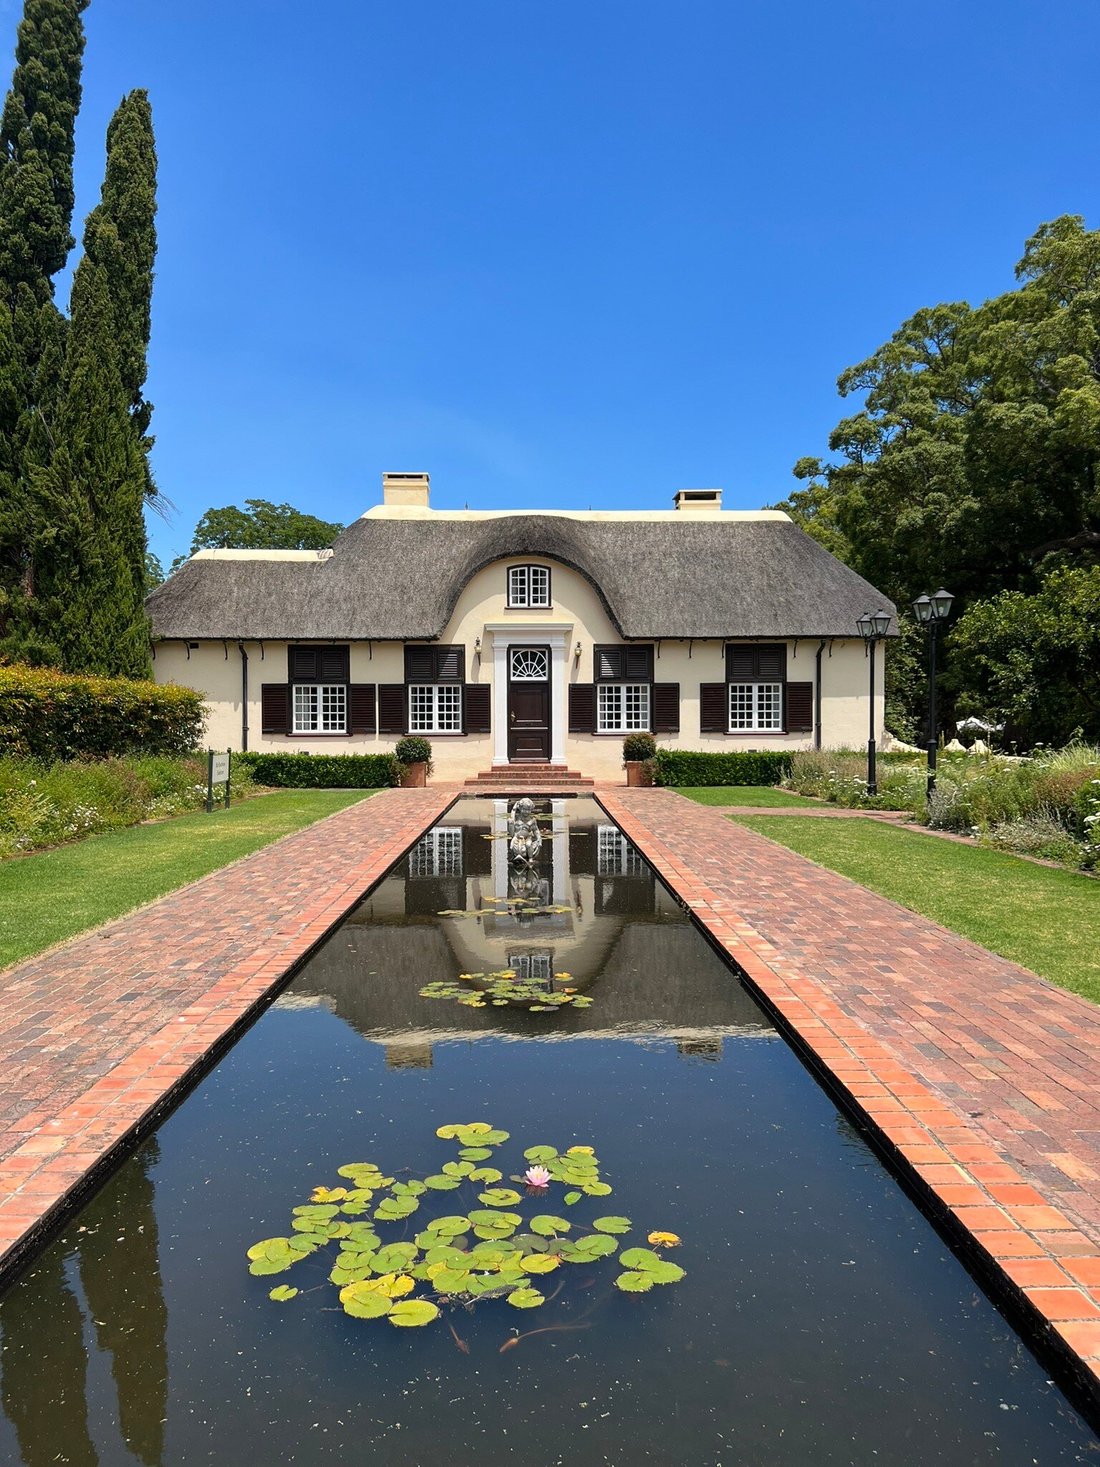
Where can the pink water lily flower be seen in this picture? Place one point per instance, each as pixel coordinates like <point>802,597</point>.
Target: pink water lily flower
<point>537,1176</point>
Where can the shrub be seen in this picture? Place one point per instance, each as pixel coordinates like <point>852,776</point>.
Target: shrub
<point>412,749</point>
<point>678,767</point>
<point>50,716</point>
<point>1039,834</point>
<point>323,771</point>
<point>638,747</point>
<point>47,804</point>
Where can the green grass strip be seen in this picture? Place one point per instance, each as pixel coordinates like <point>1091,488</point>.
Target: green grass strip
<point>53,895</point>
<point>745,794</point>
<point>1044,919</point>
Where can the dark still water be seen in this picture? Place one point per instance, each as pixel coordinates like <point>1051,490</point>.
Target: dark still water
<point>821,1320</point>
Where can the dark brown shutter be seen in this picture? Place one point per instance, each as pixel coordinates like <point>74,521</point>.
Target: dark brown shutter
<point>391,708</point>
<point>666,707</point>
<point>771,662</point>
<point>450,665</point>
<point>303,663</point>
<point>713,708</point>
<point>477,698</point>
<point>334,664</point>
<point>800,707</point>
<point>610,662</point>
<point>638,663</point>
<point>361,719</point>
<point>275,708</point>
<point>420,664</point>
<point>740,664</point>
<point>582,708</point>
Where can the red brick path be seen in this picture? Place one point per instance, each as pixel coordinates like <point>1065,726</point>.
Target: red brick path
<point>95,1035</point>
<point>983,1079</point>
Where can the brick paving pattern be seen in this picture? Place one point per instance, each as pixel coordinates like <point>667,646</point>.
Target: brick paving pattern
<point>983,1079</point>
<point>95,1034</point>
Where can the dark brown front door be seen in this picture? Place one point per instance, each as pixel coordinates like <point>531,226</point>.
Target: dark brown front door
<point>528,703</point>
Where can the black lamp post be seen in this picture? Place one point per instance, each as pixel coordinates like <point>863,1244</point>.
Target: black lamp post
<point>932,611</point>
<point>873,626</point>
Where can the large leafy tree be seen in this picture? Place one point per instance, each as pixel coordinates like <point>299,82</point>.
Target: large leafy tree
<point>972,459</point>
<point>262,525</point>
<point>36,206</point>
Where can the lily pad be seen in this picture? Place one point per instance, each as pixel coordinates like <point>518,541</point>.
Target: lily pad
<point>540,1263</point>
<point>499,1197</point>
<point>571,1198</point>
<point>363,1302</point>
<point>412,1313</point>
<point>540,1153</point>
<point>476,1153</point>
<point>526,1298</point>
<point>548,1226</point>
<point>442,1184</point>
<point>596,1245</point>
<point>282,1292</point>
<point>612,1224</point>
<point>634,1283</point>
<point>448,1227</point>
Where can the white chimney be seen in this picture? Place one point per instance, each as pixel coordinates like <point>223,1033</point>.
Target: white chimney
<point>698,501</point>
<point>406,491</point>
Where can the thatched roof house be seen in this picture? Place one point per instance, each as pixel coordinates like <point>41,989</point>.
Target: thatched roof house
<point>527,632</point>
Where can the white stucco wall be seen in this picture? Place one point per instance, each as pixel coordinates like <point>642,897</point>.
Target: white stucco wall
<point>576,616</point>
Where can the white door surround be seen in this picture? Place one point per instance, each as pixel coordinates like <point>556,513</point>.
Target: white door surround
<point>556,636</point>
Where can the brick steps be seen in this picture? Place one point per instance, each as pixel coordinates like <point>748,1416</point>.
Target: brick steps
<point>512,776</point>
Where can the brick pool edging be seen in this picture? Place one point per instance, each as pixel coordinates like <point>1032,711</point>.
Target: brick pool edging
<point>66,1157</point>
<point>1045,1270</point>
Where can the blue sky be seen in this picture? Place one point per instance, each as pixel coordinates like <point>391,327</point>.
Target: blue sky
<point>566,255</point>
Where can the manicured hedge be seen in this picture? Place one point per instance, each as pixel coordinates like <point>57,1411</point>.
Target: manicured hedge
<point>51,715</point>
<point>323,771</point>
<point>677,767</point>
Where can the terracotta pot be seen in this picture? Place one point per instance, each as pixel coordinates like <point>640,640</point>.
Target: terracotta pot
<point>414,776</point>
<point>638,774</point>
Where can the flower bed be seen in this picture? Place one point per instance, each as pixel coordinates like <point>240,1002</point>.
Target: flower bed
<point>1046,806</point>
<point>49,804</point>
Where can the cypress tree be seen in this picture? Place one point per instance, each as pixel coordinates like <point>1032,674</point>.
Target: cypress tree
<point>36,206</point>
<point>91,580</point>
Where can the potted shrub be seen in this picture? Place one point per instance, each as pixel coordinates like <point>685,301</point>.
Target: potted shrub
<point>414,754</point>
<point>638,752</point>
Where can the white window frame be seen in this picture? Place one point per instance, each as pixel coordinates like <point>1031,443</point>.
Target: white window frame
<point>435,708</point>
<point>319,708</point>
<point>438,853</point>
<point>541,653</point>
<point>528,586</point>
<point>764,711</point>
<point>624,719</point>
<point>615,855</point>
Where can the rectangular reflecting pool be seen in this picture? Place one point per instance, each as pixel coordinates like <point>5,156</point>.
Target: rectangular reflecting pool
<point>820,1317</point>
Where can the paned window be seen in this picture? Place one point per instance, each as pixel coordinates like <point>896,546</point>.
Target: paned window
<point>537,967</point>
<point>530,664</point>
<point>756,707</point>
<point>439,853</point>
<point>435,708</point>
<point>615,856</point>
<point>320,708</point>
<point>529,585</point>
<point>622,707</point>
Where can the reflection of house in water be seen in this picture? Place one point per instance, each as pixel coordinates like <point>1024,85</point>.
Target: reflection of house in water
<point>44,1359</point>
<point>602,917</point>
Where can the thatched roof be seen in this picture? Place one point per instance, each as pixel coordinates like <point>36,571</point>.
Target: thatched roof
<point>399,579</point>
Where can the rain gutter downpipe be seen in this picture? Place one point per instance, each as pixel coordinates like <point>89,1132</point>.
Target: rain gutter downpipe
<point>817,694</point>
<point>244,696</point>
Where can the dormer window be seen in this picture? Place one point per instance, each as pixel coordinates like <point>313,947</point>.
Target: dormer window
<point>528,585</point>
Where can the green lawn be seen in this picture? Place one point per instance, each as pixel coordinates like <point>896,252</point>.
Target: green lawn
<point>745,794</point>
<point>1047,920</point>
<point>54,895</point>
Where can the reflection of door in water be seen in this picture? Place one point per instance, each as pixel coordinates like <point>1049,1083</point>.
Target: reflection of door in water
<point>528,703</point>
